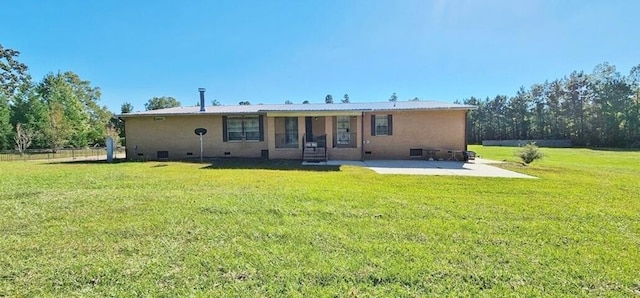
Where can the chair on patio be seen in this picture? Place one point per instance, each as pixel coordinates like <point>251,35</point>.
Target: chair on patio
<point>468,155</point>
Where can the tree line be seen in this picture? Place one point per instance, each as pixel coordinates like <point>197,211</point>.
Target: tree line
<point>61,110</point>
<point>597,109</point>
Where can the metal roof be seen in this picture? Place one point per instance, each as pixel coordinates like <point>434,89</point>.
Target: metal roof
<point>312,107</point>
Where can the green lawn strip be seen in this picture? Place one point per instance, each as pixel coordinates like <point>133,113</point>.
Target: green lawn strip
<point>158,229</point>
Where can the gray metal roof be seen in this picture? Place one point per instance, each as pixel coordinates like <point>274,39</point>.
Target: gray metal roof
<point>313,107</point>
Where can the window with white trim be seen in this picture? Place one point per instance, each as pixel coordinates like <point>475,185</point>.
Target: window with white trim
<point>291,131</point>
<point>242,128</point>
<point>343,130</point>
<point>382,125</point>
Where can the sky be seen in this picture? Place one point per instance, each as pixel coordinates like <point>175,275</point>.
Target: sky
<point>272,51</point>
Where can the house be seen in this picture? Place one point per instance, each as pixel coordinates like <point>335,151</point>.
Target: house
<point>339,131</point>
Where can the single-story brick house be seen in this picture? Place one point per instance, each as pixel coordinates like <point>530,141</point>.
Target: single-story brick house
<point>339,131</point>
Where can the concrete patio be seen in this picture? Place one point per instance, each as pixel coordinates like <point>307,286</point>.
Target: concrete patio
<point>478,168</point>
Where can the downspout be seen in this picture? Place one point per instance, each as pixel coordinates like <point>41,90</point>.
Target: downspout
<point>126,152</point>
<point>466,128</point>
<point>362,137</point>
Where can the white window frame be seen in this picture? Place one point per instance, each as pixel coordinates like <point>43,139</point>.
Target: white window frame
<point>291,131</point>
<point>245,123</point>
<point>382,125</point>
<point>343,130</point>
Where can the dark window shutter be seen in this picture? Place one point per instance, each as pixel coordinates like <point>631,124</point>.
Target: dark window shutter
<point>224,128</point>
<point>261,127</point>
<point>389,125</point>
<point>373,125</point>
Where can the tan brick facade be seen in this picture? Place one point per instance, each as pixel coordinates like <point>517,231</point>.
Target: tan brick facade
<point>146,136</point>
<point>440,129</point>
<point>433,129</point>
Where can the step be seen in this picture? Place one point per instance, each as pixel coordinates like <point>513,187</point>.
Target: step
<point>315,159</point>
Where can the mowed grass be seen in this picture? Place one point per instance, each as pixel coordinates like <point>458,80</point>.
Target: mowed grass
<point>243,228</point>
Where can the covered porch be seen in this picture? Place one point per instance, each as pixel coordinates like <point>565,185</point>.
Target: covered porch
<point>318,136</point>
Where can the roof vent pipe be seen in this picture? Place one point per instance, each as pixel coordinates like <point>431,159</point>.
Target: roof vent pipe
<point>201,90</point>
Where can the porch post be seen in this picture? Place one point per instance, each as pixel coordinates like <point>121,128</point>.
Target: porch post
<point>301,132</point>
<point>328,130</point>
<point>270,133</point>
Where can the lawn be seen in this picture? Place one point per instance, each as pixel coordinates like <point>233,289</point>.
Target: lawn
<point>240,228</point>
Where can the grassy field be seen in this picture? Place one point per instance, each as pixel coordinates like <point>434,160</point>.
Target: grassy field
<point>278,229</point>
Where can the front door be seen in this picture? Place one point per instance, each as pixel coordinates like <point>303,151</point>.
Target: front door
<point>308,129</point>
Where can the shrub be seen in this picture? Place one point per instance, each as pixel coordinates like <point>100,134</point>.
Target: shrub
<point>529,153</point>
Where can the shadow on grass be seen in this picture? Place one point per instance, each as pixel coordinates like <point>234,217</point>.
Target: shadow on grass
<point>221,163</point>
<point>614,149</point>
<point>86,161</point>
<point>267,164</point>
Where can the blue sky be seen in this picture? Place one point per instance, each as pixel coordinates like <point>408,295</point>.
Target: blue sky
<point>272,51</point>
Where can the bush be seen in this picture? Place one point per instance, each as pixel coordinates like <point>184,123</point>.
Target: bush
<point>529,153</point>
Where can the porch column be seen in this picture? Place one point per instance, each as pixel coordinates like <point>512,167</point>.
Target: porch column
<point>328,129</point>
<point>301,131</point>
<point>271,133</point>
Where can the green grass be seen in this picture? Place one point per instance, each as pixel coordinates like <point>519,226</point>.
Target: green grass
<point>277,229</point>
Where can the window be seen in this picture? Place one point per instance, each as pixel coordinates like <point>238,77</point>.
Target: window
<point>242,128</point>
<point>251,129</point>
<point>234,129</point>
<point>343,129</point>
<point>291,131</point>
<point>381,125</point>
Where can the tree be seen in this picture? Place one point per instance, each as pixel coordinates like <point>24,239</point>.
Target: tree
<point>612,103</point>
<point>244,103</point>
<point>23,138</point>
<point>57,131</point>
<point>518,115</point>
<point>6,131</point>
<point>288,102</point>
<point>328,99</point>
<point>393,97</point>
<point>633,113</point>
<point>113,131</point>
<point>530,153</point>
<point>72,105</point>
<point>575,103</point>
<point>305,102</point>
<point>346,99</point>
<point>215,102</point>
<point>539,122</point>
<point>597,109</point>
<point>415,99</point>
<point>475,120</point>
<point>164,102</point>
<point>554,94</point>
<point>12,73</point>
<point>29,110</point>
<point>126,108</point>
<point>116,125</point>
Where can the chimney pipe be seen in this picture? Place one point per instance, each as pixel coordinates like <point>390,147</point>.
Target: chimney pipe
<point>201,90</point>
